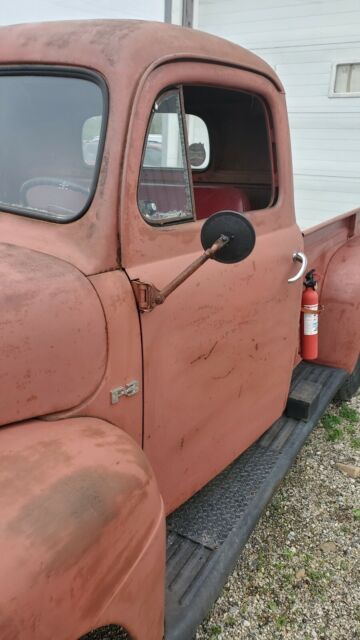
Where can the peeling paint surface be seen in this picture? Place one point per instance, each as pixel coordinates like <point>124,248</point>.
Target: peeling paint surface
<point>333,250</point>
<point>52,335</point>
<point>76,519</point>
<point>216,378</point>
<point>339,326</point>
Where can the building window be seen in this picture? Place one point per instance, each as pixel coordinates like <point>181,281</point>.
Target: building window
<point>179,12</point>
<point>345,80</point>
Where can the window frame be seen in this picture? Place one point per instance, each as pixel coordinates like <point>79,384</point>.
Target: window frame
<point>192,218</point>
<point>64,72</point>
<point>271,140</point>
<point>338,94</point>
<point>272,148</point>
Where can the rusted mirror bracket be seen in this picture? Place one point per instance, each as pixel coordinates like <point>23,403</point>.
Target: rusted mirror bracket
<point>148,296</point>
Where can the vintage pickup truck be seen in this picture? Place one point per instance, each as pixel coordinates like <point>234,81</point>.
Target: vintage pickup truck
<point>153,390</point>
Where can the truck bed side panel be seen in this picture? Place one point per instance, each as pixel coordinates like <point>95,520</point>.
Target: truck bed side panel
<point>333,250</point>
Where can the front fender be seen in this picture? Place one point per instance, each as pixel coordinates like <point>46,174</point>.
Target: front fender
<point>339,323</point>
<point>80,508</point>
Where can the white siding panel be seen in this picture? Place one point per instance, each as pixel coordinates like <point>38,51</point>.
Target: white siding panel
<point>350,147</point>
<point>302,40</point>
<point>318,121</point>
<point>39,10</point>
<point>278,9</point>
<point>346,134</point>
<point>347,187</point>
<point>315,169</point>
<point>315,104</point>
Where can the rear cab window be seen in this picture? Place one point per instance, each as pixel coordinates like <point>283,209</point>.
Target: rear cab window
<point>52,127</point>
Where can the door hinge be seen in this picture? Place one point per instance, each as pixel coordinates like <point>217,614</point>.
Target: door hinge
<point>146,295</point>
<point>128,390</point>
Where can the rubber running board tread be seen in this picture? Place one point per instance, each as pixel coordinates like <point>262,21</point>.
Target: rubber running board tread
<point>208,532</point>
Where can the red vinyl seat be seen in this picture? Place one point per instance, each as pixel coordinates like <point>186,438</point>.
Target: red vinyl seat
<point>212,198</point>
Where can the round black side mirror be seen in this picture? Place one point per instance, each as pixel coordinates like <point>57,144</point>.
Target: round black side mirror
<point>237,228</point>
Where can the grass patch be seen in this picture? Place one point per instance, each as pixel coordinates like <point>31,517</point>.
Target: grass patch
<point>330,420</point>
<point>276,507</point>
<point>356,514</point>
<point>281,621</point>
<point>330,423</point>
<point>333,435</point>
<point>315,575</point>
<point>349,414</point>
<point>215,631</point>
<point>350,429</point>
<point>230,621</point>
<point>343,421</point>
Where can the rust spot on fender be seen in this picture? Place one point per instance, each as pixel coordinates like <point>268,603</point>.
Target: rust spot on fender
<point>33,462</point>
<point>113,568</point>
<point>92,431</point>
<point>8,628</point>
<point>69,517</point>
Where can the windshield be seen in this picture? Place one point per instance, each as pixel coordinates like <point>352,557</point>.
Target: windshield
<point>50,134</point>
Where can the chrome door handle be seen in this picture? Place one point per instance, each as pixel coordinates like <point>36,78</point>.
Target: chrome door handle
<point>299,257</point>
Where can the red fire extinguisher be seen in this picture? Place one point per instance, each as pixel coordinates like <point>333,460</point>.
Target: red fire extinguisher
<point>310,318</point>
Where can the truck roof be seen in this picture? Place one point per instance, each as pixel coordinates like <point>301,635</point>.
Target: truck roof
<point>128,46</point>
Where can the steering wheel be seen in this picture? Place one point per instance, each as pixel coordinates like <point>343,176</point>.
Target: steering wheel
<point>53,182</point>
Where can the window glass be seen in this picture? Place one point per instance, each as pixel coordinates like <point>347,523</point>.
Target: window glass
<point>47,126</point>
<point>238,172</point>
<point>199,145</point>
<point>164,192</point>
<point>355,78</point>
<point>341,80</point>
<point>347,78</point>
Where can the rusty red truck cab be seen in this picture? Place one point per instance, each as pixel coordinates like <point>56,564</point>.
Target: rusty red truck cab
<point>150,343</point>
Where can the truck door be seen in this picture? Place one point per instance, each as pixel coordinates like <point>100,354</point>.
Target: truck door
<point>218,354</point>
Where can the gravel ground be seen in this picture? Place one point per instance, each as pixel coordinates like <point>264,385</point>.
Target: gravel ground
<point>299,574</point>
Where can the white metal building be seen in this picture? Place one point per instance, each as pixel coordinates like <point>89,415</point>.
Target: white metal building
<point>39,10</point>
<point>304,40</point>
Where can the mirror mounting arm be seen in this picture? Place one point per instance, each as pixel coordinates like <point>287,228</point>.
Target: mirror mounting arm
<point>148,296</point>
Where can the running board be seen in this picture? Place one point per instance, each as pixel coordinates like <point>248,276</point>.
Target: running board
<point>207,533</point>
